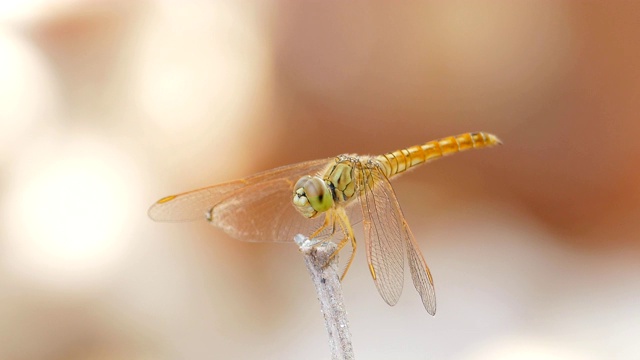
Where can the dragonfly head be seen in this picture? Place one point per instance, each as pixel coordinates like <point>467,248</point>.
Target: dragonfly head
<point>311,195</point>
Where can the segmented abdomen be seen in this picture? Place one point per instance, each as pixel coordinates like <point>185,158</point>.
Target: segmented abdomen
<point>402,160</point>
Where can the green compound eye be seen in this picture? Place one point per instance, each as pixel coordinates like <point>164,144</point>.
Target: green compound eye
<point>318,194</point>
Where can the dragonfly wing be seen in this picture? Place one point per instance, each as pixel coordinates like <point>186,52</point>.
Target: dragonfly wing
<point>194,205</point>
<point>263,212</point>
<point>384,233</point>
<point>420,274</point>
<point>396,236</point>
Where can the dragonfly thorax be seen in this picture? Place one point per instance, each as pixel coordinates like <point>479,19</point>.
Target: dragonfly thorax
<point>312,195</point>
<point>341,178</point>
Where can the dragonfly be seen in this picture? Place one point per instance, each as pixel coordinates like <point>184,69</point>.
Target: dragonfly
<point>323,199</point>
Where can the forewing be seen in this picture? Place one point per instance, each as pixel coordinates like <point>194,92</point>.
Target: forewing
<point>194,205</point>
<point>263,212</point>
<point>384,233</point>
<point>386,202</point>
<point>420,274</point>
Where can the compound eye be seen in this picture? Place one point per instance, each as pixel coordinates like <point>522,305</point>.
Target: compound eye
<point>299,187</point>
<point>318,193</point>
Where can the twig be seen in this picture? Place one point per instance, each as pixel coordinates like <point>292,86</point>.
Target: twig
<point>327,282</point>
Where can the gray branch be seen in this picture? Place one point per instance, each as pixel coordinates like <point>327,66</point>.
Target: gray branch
<point>327,282</point>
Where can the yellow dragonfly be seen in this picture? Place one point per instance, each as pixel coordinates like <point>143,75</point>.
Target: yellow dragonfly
<point>320,199</point>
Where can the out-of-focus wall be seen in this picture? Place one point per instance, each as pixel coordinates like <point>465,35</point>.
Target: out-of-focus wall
<point>107,106</point>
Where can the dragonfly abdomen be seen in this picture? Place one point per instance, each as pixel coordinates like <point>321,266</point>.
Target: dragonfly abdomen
<point>402,160</point>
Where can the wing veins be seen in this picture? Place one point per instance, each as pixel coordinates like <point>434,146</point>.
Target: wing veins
<point>385,249</point>
<point>193,205</point>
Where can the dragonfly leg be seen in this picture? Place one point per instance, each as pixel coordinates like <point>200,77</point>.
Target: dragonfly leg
<point>328,221</point>
<point>347,231</point>
<point>353,254</point>
<point>342,221</point>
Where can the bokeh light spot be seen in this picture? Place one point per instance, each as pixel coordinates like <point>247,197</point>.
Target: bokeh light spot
<point>68,212</point>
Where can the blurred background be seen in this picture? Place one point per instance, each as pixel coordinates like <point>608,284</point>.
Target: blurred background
<point>106,106</point>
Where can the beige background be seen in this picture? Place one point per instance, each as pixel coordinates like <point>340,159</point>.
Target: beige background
<point>107,106</point>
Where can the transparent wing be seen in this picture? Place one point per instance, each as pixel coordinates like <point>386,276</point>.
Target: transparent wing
<point>194,205</point>
<point>385,244</point>
<point>420,274</point>
<point>263,212</point>
<point>384,234</point>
